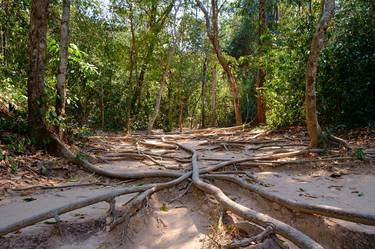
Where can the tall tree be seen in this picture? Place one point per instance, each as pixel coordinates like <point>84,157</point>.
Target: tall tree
<point>260,105</point>
<point>212,28</point>
<point>132,58</point>
<point>156,25</point>
<point>213,102</point>
<point>37,60</point>
<point>313,127</point>
<point>163,80</point>
<point>63,65</point>
<point>171,50</point>
<point>204,83</point>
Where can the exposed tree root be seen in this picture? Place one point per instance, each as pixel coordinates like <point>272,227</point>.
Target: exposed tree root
<point>269,224</point>
<point>247,241</point>
<point>340,141</point>
<point>324,210</point>
<point>137,203</point>
<point>60,186</point>
<point>70,207</point>
<point>297,237</point>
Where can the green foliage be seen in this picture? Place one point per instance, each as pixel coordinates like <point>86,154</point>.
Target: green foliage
<point>81,156</point>
<point>359,154</point>
<point>14,168</point>
<point>346,80</point>
<point>99,81</point>
<point>286,65</point>
<point>2,155</point>
<point>17,144</point>
<point>324,137</point>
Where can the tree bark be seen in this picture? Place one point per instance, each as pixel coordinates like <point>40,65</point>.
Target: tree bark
<point>204,82</point>
<point>63,65</point>
<point>212,28</point>
<point>213,99</point>
<point>313,127</point>
<point>37,58</point>
<point>261,110</point>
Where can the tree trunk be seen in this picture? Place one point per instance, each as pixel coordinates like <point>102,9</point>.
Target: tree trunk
<point>213,35</point>
<point>180,106</point>
<point>213,103</point>
<point>37,58</point>
<point>161,89</point>
<point>313,127</point>
<point>101,106</point>
<point>261,110</point>
<point>131,70</point>
<point>204,81</point>
<point>63,65</point>
<point>156,26</point>
<point>170,109</point>
<point>3,31</point>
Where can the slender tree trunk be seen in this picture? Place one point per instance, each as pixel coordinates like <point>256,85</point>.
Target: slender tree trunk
<point>170,108</point>
<point>156,26</point>
<point>213,35</point>
<point>101,106</point>
<point>37,59</point>
<point>261,110</point>
<point>131,70</point>
<point>180,106</point>
<point>204,82</point>
<point>161,89</point>
<point>141,77</point>
<point>214,98</point>
<point>313,127</point>
<point>3,30</point>
<point>63,65</point>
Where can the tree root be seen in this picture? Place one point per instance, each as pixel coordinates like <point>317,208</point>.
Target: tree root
<point>340,141</point>
<point>297,237</point>
<point>70,207</point>
<point>324,210</point>
<point>270,224</point>
<point>137,203</point>
<point>247,241</point>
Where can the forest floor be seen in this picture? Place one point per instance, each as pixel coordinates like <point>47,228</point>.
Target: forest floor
<point>183,216</point>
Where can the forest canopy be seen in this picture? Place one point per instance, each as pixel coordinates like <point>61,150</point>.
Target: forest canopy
<point>118,57</point>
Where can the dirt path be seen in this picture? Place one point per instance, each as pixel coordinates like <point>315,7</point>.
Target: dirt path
<point>183,217</point>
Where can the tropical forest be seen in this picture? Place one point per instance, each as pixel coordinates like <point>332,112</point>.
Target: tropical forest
<point>187,124</point>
